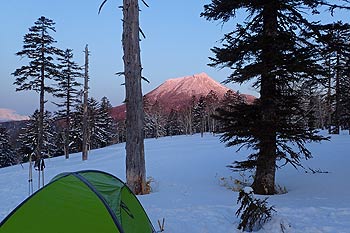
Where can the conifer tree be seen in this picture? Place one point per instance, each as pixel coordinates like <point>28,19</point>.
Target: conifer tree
<point>275,48</point>
<point>154,123</point>
<point>345,101</point>
<point>7,155</point>
<point>67,91</point>
<point>212,101</point>
<point>39,50</point>
<point>336,52</point>
<point>101,129</point>
<point>28,138</point>
<point>76,129</point>
<point>199,116</point>
<point>107,124</point>
<point>173,125</point>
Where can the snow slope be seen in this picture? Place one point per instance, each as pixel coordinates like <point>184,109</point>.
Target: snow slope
<point>189,177</point>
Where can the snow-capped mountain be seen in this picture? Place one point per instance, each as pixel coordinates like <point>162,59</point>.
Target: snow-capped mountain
<point>10,115</point>
<point>177,93</point>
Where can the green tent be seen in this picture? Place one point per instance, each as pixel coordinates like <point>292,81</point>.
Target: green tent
<point>84,201</point>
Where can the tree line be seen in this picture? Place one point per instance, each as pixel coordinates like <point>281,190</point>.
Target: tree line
<point>16,147</point>
<point>196,117</point>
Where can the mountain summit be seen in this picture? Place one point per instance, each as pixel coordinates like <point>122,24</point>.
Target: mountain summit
<point>174,93</point>
<point>177,93</point>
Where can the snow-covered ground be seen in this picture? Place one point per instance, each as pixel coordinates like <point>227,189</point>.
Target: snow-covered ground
<point>190,185</point>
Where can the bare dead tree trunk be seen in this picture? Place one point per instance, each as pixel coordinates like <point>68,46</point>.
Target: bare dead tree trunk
<point>135,157</point>
<point>85,110</point>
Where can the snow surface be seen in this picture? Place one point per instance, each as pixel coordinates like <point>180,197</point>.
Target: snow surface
<point>189,192</point>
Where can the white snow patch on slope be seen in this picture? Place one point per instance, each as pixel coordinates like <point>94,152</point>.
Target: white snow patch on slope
<point>187,172</point>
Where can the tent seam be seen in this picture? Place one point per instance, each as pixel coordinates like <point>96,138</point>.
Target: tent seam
<point>93,189</point>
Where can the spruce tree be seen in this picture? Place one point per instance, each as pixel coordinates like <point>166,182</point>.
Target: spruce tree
<point>67,91</point>
<point>336,52</point>
<point>76,129</point>
<point>101,129</point>
<point>39,50</point>
<point>107,124</point>
<point>7,155</point>
<point>212,101</point>
<point>28,138</point>
<point>275,48</point>
<point>345,102</point>
<point>172,125</point>
<point>154,122</point>
<point>200,116</point>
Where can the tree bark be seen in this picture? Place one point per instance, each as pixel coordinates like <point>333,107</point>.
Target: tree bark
<point>135,157</point>
<point>264,181</point>
<point>66,132</point>
<point>337,95</point>
<point>41,105</point>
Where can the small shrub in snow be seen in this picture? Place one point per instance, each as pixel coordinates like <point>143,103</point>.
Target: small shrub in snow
<point>151,185</point>
<point>254,213</point>
<point>236,184</point>
<point>280,189</point>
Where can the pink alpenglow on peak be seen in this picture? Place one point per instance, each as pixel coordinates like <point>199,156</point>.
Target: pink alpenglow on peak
<point>11,115</point>
<point>177,93</point>
<point>174,91</point>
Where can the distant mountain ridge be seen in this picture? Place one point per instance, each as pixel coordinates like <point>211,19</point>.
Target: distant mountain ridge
<point>177,93</point>
<point>10,115</point>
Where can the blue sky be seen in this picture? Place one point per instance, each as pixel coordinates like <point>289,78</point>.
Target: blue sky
<point>177,44</point>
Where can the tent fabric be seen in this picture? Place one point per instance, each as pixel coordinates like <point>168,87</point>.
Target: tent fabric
<point>84,201</point>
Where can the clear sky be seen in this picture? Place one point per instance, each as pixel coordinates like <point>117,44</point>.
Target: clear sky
<point>177,44</point>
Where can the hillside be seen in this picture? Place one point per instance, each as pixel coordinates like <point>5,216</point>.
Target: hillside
<point>191,180</point>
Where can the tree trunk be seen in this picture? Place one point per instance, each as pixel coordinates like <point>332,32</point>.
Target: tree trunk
<point>329,100</point>
<point>337,96</point>
<point>135,157</point>
<point>41,121</point>
<point>41,106</point>
<point>85,106</point>
<point>264,181</point>
<point>67,129</point>
<point>67,126</point>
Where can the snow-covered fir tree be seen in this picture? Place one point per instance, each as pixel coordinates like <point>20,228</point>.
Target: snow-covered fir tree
<point>68,93</point>
<point>106,123</point>
<point>212,103</point>
<point>336,52</point>
<point>200,116</point>
<point>28,138</point>
<point>173,124</point>
<point>39,49</point>
<point>154,122</point>
<point>276,49</point>
<point>101,126</point>
<point>7,155</point>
